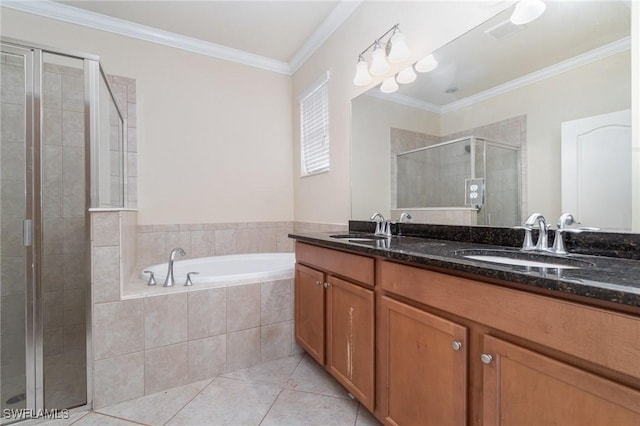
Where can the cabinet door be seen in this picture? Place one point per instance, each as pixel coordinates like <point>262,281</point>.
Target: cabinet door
<point>350,338</point>
<point>309,312</point>
<point>424,367</point>
<point>522,388</point>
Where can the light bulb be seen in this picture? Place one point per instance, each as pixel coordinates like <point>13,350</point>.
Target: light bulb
<point>406,76</point>
<point>527,11</point>
<point>379,64</point>
<point>389,85</point>
<point>399,50</point>
<point>362,77</point>
<point>426,64</point>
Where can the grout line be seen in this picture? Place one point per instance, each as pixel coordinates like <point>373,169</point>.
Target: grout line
<point>190,401</point>
<point>114,417</point>
<point>271,406</point>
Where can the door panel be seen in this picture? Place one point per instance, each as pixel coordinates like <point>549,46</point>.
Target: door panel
<point>309,324</point>
<point>518,383</point>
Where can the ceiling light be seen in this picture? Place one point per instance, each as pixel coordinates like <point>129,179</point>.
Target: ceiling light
<point>362,77</point>
<point>399,50</point>
<point>527,11</point>
<point>426,64</point>
<point>406,76</point>
<point>389,85</point>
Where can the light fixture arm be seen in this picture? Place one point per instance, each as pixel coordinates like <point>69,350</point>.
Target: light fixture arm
<point>395,28</point>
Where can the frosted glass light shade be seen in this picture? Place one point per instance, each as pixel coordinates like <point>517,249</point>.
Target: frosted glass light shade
<point>399,50</point>
<point>362,77</point>
<point>389,85</point>
<point>426,64</point>
<point>406,76</point>
<point>527,11</point>
<point>379,64</point>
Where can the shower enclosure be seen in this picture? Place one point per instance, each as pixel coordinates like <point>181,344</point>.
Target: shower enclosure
<point>62,145</point>
<point>435,177</point>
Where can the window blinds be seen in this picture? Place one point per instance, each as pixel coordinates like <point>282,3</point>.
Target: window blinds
<point>314,112</point>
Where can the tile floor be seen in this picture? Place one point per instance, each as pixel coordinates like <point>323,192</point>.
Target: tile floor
<point>289,391</point>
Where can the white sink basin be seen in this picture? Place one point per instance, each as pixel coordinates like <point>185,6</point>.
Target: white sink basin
<point>520,262</point>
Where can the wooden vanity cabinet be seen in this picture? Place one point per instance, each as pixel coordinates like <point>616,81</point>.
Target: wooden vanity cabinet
<point>335,315</point>
<point>523,388</point>
<point>532,359</point>
<point>424,367</point>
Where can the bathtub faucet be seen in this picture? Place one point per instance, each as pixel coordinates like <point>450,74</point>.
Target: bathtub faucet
<point>169,281</point>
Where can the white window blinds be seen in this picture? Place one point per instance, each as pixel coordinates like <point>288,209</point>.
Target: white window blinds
<point>314,124</point>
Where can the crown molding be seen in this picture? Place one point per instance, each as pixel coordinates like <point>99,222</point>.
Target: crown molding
<point>336,18</point>
<point>405,100</point>
<point>73,15</point>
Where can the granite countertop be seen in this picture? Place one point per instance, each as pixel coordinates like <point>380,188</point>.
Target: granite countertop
<point>607,279</point>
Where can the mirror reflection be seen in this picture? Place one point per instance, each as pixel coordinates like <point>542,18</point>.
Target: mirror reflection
<point>514,119</point>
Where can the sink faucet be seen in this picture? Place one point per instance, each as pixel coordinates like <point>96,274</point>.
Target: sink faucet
<point>536,219</point>
<point>404,216</point>
<point>169,281</point>
<point>565,220</point>
<point>383,227</point>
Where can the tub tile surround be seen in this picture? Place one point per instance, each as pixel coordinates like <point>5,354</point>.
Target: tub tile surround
<point>144,345</point>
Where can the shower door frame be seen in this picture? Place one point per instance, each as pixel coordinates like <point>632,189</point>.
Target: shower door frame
<point>34,70</point>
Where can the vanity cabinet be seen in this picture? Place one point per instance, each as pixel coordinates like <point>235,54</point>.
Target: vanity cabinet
<point>524,388</point>
<point>532,359</point>
<point>424,367</point>
<point>335,315</point>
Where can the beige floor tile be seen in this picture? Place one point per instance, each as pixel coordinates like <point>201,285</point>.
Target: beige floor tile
<point>97,419</point>
<point>309,376</point>
<point>157,408</point>
<point>276,373</point>
<point>228,402</point>
<point>365,418</point>
<point>303,408</point>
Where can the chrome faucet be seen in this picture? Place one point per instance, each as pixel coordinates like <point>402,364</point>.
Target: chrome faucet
<point>404,216</point>
<point>536,219</point>
<point>383,227</point>
<point>169,281</point>
<point>565,220</point>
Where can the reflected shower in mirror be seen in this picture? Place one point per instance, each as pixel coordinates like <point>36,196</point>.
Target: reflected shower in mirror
<point>511,84</point>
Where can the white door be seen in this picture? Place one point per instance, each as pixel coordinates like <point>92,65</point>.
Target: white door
<point>596,170</point>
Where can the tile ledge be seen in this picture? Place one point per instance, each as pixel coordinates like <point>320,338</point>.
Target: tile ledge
<point>111,209</point>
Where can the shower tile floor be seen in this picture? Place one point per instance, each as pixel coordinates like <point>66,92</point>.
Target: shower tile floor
<point>289,391</point>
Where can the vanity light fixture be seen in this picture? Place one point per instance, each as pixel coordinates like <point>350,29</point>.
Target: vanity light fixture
<point>527,11</point>
<point>406,76</point>
<point>393,50</point>
<point>426,64</point>
<point>389,85</point>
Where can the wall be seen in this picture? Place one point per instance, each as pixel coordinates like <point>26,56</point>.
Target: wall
<point>427,26</point>
<point>214,137</point>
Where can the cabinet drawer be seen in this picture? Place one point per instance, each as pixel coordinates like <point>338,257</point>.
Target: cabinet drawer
<point>353,266</point>
<point>606,338</point>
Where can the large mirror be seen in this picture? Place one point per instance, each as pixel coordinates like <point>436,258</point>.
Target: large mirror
<point>538,116</point>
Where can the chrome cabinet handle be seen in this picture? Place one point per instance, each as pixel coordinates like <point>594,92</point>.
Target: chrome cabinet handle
<point>456,345</point>
<point>486,358</point>
<point>318,283</point>
<point>326,285</point>
<point>152,279</point>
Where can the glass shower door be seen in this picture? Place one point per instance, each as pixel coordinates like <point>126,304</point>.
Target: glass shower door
<point>16,370</point>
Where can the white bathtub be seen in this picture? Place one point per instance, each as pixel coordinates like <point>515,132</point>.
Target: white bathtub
<point>218,271</point>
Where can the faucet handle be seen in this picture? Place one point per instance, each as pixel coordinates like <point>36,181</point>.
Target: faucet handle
<point>188,282</point>
<point>527,244</point>
<point>152,279</point>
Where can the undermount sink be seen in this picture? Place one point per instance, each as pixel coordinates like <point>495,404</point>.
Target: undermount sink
<point>358,237</point>
<point>525,258</point>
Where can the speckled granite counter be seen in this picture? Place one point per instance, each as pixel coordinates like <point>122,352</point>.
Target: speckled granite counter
<point>606,279</point>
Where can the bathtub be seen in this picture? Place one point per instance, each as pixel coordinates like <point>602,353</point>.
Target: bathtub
<point>222,271</point>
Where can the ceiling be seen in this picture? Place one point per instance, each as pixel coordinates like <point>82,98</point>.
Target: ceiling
<point>276,35</point>
<point>274,29</point>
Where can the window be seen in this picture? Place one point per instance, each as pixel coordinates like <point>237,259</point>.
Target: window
<point>314,126</point>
